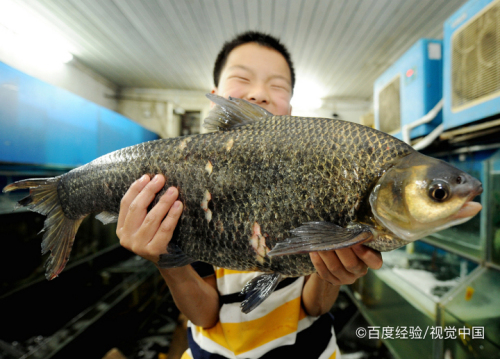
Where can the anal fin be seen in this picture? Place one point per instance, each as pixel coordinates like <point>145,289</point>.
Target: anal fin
<point>321,236</point>
<point>174,258</point>
<point>258,289</point>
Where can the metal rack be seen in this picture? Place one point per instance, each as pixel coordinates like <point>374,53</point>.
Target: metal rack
<point>134,275</point>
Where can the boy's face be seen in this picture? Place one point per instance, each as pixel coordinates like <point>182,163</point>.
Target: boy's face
<point>259,75</point>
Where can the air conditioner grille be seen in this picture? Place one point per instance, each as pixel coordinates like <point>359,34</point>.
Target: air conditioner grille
<point>389,107</point>
<point>475,63</point>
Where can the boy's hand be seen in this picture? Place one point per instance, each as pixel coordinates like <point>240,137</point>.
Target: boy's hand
<point>148,234</point>
<point>344,266</point>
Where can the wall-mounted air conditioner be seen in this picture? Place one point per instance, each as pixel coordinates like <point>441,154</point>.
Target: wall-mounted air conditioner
<point>409,89</point>
<point>472,63</point>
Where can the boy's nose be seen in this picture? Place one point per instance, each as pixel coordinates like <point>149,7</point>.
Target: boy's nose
<point>258,95</point>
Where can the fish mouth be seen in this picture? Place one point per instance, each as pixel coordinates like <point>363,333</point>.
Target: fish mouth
<point>468,210</point>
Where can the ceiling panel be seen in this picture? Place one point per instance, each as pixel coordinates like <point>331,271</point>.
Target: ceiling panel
<point>343,45</point>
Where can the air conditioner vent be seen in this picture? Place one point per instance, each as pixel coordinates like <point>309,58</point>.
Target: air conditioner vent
<point>389,107</point>
<point>475,66</point>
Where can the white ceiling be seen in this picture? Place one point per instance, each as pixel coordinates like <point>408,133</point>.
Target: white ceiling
<point>342,45</point>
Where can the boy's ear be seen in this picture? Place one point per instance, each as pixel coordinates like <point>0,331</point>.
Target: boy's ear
<point>215,92</point>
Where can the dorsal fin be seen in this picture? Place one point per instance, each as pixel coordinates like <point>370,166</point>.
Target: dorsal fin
<point>231,113</point>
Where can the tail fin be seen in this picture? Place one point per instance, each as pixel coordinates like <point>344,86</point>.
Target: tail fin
<point>59,230</point>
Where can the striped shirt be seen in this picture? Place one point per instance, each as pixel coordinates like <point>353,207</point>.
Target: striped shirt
<point>279,326</point>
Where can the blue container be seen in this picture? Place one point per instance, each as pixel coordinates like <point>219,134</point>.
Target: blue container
<point>419,72</point>
<point>45,125</point>
<point>474,63</point>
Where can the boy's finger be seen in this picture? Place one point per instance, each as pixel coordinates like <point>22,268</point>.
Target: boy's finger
<point>137,210</point>
<point>351,262</point>
<point>371,257</point>
<point>166,229</point>
<point>322,270</point>
<point>129,196</point>
<point>156,215</point>
<point>336,267</point>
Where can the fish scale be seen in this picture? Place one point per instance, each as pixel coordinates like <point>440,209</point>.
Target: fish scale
<point>258,194</point>
<point>284,144</point>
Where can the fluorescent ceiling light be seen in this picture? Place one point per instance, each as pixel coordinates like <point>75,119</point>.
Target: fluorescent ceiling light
<point>28,35</point>
<point>307,95</point>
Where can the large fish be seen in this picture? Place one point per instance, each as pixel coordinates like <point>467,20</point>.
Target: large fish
<point>263,191</point>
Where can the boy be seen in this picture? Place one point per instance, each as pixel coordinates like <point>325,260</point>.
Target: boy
<point>294,320</point>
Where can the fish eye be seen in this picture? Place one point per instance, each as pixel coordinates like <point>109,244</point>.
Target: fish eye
<point>439,191</point>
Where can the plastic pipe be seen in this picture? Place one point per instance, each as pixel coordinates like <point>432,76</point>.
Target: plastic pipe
<point>423,120</point>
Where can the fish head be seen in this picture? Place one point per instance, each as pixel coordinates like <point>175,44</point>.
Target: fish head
<point>420,195</point>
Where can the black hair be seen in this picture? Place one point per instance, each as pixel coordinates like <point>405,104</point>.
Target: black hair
<point>248,37</point>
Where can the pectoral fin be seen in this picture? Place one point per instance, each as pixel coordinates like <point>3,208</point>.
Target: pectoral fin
<point>321,236</point>
<point>258,289</point>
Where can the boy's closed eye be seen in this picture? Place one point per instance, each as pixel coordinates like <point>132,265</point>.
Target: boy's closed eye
<point>240,78</point>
